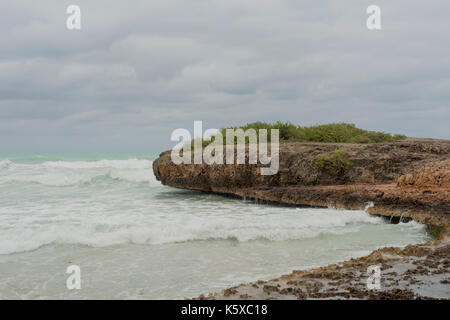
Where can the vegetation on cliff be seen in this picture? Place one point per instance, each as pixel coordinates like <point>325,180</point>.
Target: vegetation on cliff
<point>335,163</point>
<point>333,132</point>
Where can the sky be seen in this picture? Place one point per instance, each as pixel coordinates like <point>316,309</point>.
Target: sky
<point>137,70</point>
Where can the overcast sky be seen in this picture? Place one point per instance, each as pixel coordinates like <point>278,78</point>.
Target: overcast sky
<point>139,69</point>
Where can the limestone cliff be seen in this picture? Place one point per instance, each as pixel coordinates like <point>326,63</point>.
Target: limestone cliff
<point>407,178</point>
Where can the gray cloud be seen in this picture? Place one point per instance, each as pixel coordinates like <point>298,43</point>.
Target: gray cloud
<point>138,70</point>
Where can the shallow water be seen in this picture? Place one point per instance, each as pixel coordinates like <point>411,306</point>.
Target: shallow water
<point>134,238</point>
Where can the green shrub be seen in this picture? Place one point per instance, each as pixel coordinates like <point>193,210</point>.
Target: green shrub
<point>360,139</point>
<point>332,132</point>
<point>399,137</point>
<point>335,163</point>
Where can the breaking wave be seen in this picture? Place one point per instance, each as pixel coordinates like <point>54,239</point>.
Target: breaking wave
<point>114,202</point>
<point>117,164</point>
<point>4,164</point>
<point>102,229</point>
<point>69,173</point>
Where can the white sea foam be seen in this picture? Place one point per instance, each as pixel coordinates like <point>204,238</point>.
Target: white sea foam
<point>66,173</point>
<point>4,164</point>
<point>97,228</point>
<point>119,164</point>
<point>136,237</point>
<point>108,215</point>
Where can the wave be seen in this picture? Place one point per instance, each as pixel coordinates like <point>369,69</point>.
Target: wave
<point>65,180</point>
<point>100,217</point>
<point>66,173</point>
<point>158,230</point>
<point>118,164</point>
<point>4,164</point>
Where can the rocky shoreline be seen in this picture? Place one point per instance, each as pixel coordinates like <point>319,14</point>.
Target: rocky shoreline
<point>407,179</point>
<point>415,272</point>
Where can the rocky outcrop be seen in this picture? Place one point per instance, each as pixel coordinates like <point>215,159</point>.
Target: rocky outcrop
<point>372,178</point>
<point>415,272</point>
<point>408,179</point>
<point>371,164</point>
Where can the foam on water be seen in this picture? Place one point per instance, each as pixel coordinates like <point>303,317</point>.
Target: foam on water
<point>120,164</point>
<point>115,210</point>
<point>4,164</point>
<point>96,227</point>
<point>63,173</point>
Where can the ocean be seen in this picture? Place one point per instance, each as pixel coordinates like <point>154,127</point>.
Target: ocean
<point>134,238</point>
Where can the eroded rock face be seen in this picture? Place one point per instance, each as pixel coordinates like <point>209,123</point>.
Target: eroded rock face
<point>372,178</point>
<point>435,175</point>
<point>372,164</point>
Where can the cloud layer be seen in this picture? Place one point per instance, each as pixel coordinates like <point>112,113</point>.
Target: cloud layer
<point>138,70</point>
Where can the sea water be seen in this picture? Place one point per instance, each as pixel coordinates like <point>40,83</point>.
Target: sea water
<point>133,238</point>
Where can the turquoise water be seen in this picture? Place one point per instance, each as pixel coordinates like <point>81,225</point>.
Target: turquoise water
<point>134,238</point>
